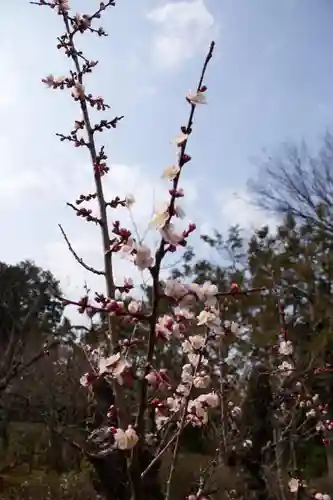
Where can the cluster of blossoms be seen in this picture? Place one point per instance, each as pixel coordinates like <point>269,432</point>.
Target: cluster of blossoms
<point>296,484</point>
<point>114,366</point>
<point>195,374</point>
<point>286,350</point>
<point>322,496</point>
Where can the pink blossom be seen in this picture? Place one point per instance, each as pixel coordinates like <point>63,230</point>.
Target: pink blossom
<point>210,291</point>
<point>183,313</point>
<point>116,366</point>
<point>195,358</point>
<point>166,327</point>
<point>143,258</point>
<point>175,289</point>
<point>78,91</point>
<point>183,389</point>
<point>133,307</point>
<point>202,381</point>
<point>197,290</point>
<point>126,440</point>
<point>87,379</point>
<point>152,378</point>
<point>170,235</point>
<point>63,6</point>
<point>211,399</point>
<point>195,407</point>
<point>126,249</point>
<point>186,375</point>
<point>49,80</point>
<point>209,318</point>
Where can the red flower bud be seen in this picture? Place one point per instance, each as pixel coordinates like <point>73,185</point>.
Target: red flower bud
<point>185,159</point>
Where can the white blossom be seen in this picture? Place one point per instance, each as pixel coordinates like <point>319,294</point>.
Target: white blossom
<point>247,443</point>
<point>175,289</point>
<point>293,485</point>
<point>311,413</point>
<point>78,91</point>
<point>126,440</point>
<point>170,235</point>
<point>202,381</point>
<point>194,359</point>
<point>115,366</point>
<point>183,312</point>
<point>209,318</point>
<point>180,139</point>
<point>194,343</point>
<point>286,348</point>
<point>197,98</point>
<point>161,217</point>
<point>85,380</point>
<point>211,399</point>
<point>134,307</point>
<point>236,411</point>
<point>322,496</point>
<point>143,258</point>
<point>286,368</point>
<point>170,172</point>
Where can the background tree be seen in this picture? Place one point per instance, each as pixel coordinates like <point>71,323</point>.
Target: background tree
<point>294,180</point>
<point>30,315</point>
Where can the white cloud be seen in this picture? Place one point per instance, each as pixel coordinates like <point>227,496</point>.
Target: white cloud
<point>15,185</point>
<point>182,29</point>
<point>238,208</point>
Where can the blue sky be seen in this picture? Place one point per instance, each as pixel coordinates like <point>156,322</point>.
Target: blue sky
<point>270,80</point>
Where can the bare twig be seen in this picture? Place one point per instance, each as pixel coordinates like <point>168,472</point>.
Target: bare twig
<point>160,454</point>
<point>76,256</point>
<point>21,368</point>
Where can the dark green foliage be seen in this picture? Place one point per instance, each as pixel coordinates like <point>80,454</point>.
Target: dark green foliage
<point>24,287</point>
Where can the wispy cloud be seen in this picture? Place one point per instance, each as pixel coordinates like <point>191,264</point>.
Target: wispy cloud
<point>183,29</point>
<point>237,208</point>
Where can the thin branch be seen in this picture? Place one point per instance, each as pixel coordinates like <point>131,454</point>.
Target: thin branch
<point>160,454</point>
<point>21,368</point>
<point>155,270</point>
<point>76,256</point>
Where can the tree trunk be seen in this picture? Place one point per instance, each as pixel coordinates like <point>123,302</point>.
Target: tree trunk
<point>114,484</point>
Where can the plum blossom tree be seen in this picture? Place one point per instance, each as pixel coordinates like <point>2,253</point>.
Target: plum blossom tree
<point>129,439</point>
